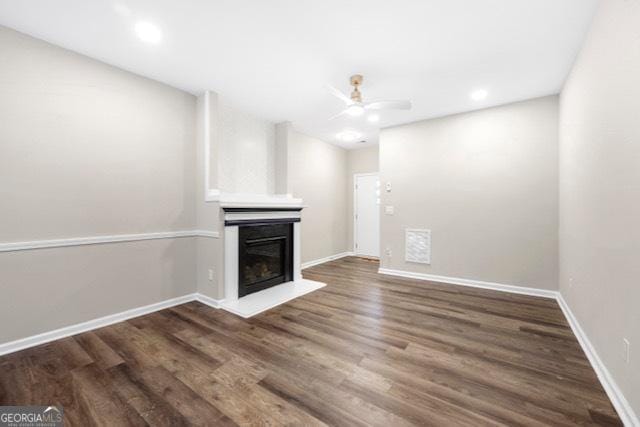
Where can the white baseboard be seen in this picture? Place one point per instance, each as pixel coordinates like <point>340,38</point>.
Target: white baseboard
<point>471,283</point>
<point>100,322</point>
<point>326,259</point>
<point>215,303</point>
<point>626,413</point>
<point>67,331</point>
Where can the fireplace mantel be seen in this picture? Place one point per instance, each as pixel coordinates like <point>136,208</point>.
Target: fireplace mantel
<point>244,200</point>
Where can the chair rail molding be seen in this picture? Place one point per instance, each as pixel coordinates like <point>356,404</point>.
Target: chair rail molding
<point>95,240</point>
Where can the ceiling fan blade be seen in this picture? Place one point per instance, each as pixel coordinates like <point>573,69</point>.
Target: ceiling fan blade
<point>338,115</point>
<point>388,105</point>
<point>335,92</point>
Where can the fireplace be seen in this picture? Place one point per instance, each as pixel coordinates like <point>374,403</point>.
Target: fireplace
<point>262,267</point>
<point>261,249</point>
<point>265,256</point>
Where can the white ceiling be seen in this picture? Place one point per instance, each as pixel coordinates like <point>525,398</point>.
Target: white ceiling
<point>272,58</point>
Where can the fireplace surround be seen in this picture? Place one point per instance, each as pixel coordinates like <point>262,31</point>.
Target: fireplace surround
<point>261,251</point>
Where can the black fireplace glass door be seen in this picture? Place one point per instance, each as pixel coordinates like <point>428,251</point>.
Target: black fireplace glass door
<point>265,256</point>
<point>264,260</point>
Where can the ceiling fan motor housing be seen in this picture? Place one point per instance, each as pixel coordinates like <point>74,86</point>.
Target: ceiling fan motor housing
<point>356,81</point>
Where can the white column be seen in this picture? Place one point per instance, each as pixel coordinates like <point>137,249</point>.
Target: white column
<point>231,263</point>
<point>283,136</point>
<point>297,271</point>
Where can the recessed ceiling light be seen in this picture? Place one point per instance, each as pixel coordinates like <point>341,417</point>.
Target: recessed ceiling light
<point>373,118</point>
<point>355,110</point>
<point>348,136</point>
<point>479,94</point>
<point>148,32</point>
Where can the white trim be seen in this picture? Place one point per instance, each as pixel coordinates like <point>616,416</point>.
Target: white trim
<point>471,283</point>
<point>210,194</point>
<point>355,213</point>
<point>206,233</point>
<point>231,262</point>
<point>297,252</point>
<point>622,406</point>
<point>239,216</point>
<point>251,200</point>
<point>206,141</point>
<point>326,259</point>
<point>94,240</point>
<point>206,300</point>
<point>100,322</point>
<point>355,210</point>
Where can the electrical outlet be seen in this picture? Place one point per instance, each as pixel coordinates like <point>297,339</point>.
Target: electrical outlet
<point>211,274</point>
<point>626,345</point>
<point>571,282</point>
<point>388,252</point>
<point>388,210</point>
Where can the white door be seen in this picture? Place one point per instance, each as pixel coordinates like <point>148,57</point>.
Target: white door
<point>366,215</point>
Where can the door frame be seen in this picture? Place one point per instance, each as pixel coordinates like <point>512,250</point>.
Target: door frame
<point>355,208</point>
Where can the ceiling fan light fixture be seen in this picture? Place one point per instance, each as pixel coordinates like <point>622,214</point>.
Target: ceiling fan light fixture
<point>355,110</point>
<point>348,136</point>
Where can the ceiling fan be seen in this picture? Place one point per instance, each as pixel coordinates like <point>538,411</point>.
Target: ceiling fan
<point>355,106</point>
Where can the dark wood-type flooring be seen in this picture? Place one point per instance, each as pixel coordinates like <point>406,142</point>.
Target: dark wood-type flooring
<point>365,350</point>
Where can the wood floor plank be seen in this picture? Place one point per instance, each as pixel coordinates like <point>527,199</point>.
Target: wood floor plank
<point>98,398</point>
<point>365,350</point>
<point>183,399</point>
<point>151,406</point>
<point>103,355</point>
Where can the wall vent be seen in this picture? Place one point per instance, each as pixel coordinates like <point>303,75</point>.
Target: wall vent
<point>417,246</point>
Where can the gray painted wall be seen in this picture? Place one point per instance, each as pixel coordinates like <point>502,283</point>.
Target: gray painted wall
<point>600,190</point>
<point>318,174</point>
<point>485,183</point>
<point>87,149</point>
